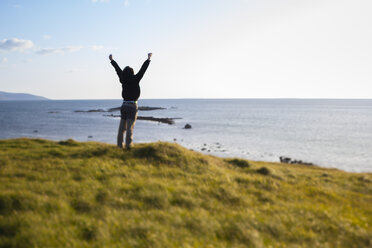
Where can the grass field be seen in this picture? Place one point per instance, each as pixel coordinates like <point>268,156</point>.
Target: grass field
<point>71,194</point>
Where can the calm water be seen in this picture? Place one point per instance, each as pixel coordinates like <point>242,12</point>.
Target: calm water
<point>330,133</point>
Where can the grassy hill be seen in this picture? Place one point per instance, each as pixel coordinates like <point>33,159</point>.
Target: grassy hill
<point>71,194</point>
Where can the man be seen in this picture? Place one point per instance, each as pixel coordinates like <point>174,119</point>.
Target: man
<point>130,92</point>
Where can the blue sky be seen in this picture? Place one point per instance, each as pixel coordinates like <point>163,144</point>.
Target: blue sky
<point>202,49</point>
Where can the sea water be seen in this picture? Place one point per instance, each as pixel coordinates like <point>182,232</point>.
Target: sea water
<point>329,133</point>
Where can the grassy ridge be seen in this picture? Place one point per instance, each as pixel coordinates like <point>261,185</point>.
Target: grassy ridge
<point>71,194</point>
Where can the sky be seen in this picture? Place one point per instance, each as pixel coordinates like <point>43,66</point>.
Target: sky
<point>201,48</point>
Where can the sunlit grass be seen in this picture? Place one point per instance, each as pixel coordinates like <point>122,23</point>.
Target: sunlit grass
<point>71,194</point>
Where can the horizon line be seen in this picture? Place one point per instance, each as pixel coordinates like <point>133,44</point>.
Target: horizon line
<point>186,98</point>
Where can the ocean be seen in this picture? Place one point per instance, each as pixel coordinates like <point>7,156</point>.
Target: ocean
<point>328,133</point>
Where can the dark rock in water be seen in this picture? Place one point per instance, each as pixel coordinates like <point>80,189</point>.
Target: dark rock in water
<point>288,160</point>
<point>90,136</point>
<point>53,112</point>
<point>301,162</point>
<point>187,126</point>
<point>169,121</point>
<point>90,111</point>
<point>112,115</point>
<point>285,160</point>
<point>97,110</point>
<point>141,108</point>
<point>35,131</point>
<point>113,109</point>
<point>146,108</point>
<point>204,149</point>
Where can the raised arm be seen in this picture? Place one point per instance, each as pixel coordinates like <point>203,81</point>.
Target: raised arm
<point>116,66</point>
<point>144,67</point>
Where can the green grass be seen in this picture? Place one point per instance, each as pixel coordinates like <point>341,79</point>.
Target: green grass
<point>71,194</point>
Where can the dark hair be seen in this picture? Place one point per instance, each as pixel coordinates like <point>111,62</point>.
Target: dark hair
<point>128,72</point>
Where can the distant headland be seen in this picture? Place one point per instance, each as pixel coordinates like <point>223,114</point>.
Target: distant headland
<point>6,96</point>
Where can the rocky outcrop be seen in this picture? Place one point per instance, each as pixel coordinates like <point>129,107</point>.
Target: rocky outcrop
<point>187,126</point>
<point>141,108</point>
<point>288,160</point>
<point>169,121</point>
<point>90,111</point>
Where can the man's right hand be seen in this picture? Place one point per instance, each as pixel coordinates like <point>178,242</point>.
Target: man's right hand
<point>149,56</point>
<point>110,57</point>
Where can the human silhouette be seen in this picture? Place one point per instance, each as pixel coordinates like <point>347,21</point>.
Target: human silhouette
<point>130,92</point>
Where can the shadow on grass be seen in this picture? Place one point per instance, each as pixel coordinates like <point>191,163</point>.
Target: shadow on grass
<point>146,152</point>
<point>14,202</point>
<point>69,142</point>
<point>81,206</point>
<point>238,162</point>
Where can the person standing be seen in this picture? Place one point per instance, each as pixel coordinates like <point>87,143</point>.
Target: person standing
<point>130,92</point>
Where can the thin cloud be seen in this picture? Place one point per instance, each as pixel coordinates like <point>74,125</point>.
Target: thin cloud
<point>97,47</point>
<point>126,2</point>
<point>47,37</point>
<point>4,60</point>
<point>16,45</point>
<point>27,61</point>
<point>45,51</point>
<point>74,71</point>
<point>100,1</point>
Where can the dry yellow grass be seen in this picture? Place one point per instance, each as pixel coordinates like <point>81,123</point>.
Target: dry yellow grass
<point>71,194</point>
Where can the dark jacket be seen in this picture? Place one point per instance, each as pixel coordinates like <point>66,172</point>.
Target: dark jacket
<point>130,83</point>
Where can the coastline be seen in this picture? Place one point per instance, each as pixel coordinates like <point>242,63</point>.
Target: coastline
<point>327,133</point>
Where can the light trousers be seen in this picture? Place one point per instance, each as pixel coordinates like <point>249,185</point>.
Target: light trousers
<point>128,120</point>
